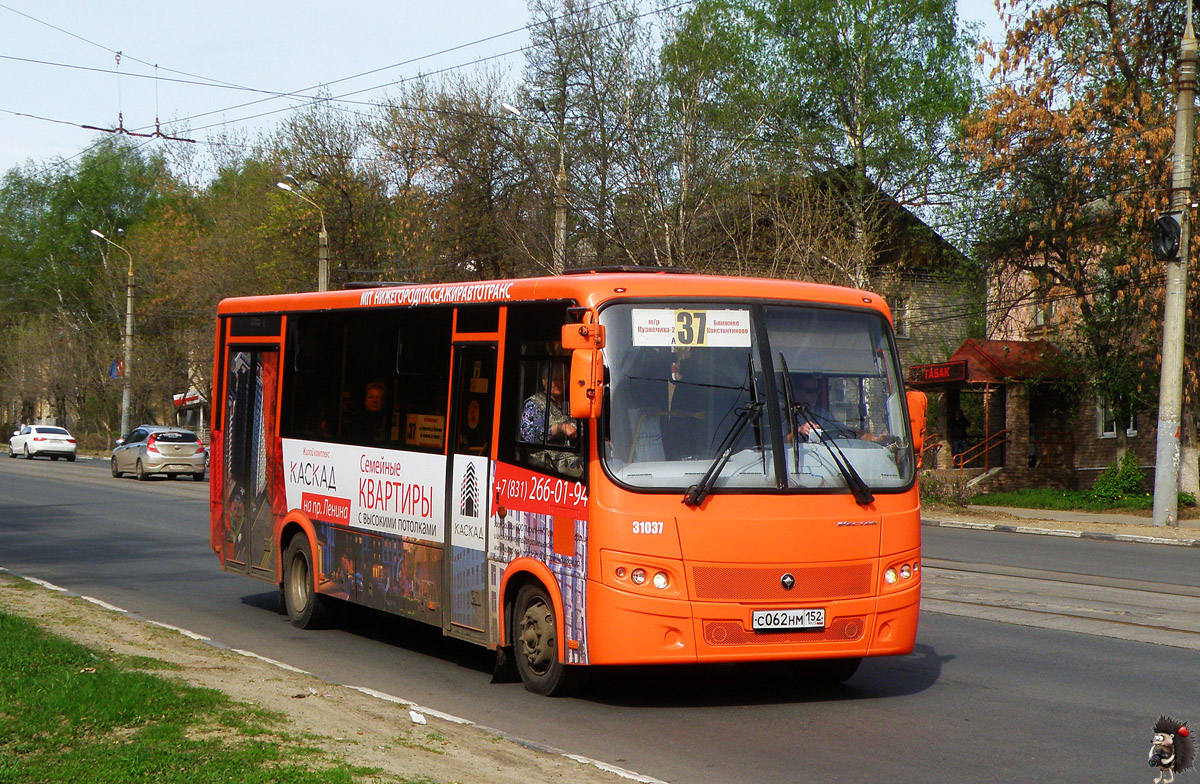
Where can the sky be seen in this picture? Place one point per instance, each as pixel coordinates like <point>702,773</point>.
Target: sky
<point>222,64</point>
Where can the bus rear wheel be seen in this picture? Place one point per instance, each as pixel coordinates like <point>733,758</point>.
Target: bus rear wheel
<point>535,643</point>
<point>306,608</point>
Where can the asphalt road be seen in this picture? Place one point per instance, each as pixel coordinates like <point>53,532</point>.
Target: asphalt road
<point>978,701</point>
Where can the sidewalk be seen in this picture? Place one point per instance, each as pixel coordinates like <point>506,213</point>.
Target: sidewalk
<point>1049,522</point>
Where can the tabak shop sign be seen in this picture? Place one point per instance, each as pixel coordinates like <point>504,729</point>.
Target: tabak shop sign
<point>942,372</point>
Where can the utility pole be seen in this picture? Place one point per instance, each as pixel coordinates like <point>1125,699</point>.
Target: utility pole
<point>323,257</point>
<point>127,386</point>
<point>1170,391</point>
<point>322,238</point>
<point>560,213</point>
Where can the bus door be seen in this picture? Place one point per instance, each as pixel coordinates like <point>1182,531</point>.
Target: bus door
<point>471,448</point>
<point>250,397</point>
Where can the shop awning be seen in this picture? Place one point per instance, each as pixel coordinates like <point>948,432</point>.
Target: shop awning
<point>991,362</point>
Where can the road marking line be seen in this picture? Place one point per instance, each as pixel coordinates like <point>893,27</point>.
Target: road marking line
<point>604,766</point>
<point>410,704</point>
<point>180,630</point>
<point>45,584</point>
<point>279,664</point>
<point>104,604</point>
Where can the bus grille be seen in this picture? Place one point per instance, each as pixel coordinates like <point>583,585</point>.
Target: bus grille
<point>733,633</point>
<point>763,584</point>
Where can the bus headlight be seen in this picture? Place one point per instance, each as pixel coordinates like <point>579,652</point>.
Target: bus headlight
<point>638,576</point>
<point>660,580</point>
<point>901,574</point>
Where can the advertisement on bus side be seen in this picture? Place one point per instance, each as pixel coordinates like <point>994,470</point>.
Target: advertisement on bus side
<point>373,489</point>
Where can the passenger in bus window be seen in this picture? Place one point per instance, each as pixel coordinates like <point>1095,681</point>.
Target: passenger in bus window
<point>544,422</point>
<point>368,425</point>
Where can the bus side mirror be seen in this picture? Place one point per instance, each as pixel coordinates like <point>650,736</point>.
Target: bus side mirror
<point>917,404</point>
<point>588,334</point>
<point>587,382</point>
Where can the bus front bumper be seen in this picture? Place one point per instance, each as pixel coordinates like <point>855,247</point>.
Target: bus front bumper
<point>627,628</point>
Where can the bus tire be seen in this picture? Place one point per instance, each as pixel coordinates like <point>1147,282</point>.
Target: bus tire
<point>535,643</point>
<point>505,668</point>
<point>306,608</point>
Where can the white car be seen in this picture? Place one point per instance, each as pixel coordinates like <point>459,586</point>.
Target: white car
<point>42,440</point>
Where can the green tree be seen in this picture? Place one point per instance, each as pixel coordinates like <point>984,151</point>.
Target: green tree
<point>1075,136</point>
<point>870,92</point>
<point>453,142</point>
<point>59,279</point>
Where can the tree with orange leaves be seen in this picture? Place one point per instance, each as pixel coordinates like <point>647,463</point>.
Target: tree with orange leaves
<point>1075,135</point>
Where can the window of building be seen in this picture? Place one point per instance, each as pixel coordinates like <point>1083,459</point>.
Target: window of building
<point>1106,420</point>
<point>901,313</point>
<point>1043,313</point>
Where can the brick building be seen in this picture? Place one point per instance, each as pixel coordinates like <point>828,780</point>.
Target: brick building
<point>1035,422</point>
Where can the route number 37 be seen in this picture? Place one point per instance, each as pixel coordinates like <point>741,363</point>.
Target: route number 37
<point>689,327</point>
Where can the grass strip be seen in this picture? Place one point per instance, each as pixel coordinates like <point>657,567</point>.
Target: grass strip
<point>71,714</point>
<point>1045,498</point>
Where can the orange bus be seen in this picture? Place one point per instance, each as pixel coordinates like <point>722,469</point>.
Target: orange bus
<point>612,466</point>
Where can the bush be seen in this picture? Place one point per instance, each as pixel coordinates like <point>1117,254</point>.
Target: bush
<point>945,487</point>
<point>1119,479</point>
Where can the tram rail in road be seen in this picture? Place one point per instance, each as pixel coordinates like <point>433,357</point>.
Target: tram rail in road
<point>1124,609</point>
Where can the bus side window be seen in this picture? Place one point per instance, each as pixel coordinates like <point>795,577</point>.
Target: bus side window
<point>421,359</point>
<point>312,377</point>
<point>549,439</point>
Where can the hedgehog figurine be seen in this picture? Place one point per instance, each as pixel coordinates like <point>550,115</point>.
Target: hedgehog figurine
<point>1172,749</point>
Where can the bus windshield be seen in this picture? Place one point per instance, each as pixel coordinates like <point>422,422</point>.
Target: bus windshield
<point>783,398</point>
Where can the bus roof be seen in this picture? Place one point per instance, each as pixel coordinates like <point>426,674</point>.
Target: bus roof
<point>590,289</point>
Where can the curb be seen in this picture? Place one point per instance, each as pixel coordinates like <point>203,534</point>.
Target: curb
<point>1101,536</point>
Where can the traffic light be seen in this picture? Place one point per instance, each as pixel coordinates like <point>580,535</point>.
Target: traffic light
<point>1166,237</point>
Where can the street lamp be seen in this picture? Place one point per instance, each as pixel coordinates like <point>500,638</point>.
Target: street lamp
<point>127,390</point>
<point>560,193</point>
<point>322,239</point>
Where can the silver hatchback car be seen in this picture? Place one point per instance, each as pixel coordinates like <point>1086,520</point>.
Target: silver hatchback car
<point>157,449</point>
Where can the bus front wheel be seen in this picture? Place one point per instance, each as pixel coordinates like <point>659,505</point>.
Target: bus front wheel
<point>535,643</point>
<point>306,608</point>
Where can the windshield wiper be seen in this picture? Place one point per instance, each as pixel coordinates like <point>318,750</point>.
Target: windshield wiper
<point>789,398</point>
<point>696,494</point>
<point>857,486</point>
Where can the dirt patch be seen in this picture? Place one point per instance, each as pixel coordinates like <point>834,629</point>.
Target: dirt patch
<point>355,727</point>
